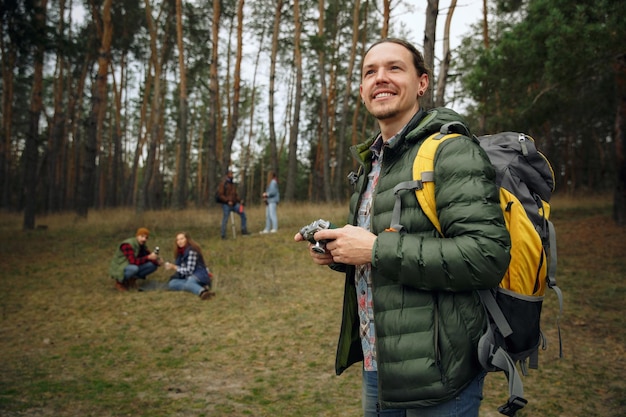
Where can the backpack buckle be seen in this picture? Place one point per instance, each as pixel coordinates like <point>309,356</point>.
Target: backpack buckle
<point>512,406</point>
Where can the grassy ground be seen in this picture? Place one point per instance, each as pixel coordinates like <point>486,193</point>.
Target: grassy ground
<point>71,345</point>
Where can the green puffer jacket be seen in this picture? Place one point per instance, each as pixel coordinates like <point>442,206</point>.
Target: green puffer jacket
<point>428,318</point>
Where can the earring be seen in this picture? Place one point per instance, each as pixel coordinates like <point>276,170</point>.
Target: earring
<point>420,93</point>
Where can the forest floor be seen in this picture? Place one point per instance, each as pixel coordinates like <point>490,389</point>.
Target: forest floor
<point>72,345</point>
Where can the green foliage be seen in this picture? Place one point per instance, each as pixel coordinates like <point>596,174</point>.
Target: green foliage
<point>550,74</point>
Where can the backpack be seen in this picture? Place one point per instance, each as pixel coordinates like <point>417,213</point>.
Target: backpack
<point>525,180</point>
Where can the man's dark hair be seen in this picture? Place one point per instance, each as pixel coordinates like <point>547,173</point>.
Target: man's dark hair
<point>418,59</point>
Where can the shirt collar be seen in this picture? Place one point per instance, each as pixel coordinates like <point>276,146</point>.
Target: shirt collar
<point>379,144</point>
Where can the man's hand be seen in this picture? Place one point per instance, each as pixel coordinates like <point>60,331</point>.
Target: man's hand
<point>348,245</point>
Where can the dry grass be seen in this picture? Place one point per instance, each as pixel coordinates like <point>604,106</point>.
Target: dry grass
<point>71,345</point>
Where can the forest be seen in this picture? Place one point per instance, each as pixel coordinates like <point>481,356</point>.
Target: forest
<point>146,104</point>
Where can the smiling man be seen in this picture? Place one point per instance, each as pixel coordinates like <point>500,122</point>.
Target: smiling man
<point>410,313</point>
<point>392,82</point>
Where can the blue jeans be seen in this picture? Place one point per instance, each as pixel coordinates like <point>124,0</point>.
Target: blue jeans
<point>234,208</point>
<point>139,271</point>
<point>466,404</point>
<point>271,217</point>
<point>190,284</point>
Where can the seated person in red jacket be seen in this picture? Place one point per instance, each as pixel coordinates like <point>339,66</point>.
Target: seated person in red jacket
<point>133,260</point>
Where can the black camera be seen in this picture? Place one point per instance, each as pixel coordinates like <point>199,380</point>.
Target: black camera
<point>156,250</point>
<point>309,230</point>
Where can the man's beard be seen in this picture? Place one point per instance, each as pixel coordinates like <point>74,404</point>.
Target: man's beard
<point>383,114</point>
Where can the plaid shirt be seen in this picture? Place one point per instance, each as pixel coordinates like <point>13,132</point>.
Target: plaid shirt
<point>140,259</point>
<point>189,267</point>
<point>363,277</point>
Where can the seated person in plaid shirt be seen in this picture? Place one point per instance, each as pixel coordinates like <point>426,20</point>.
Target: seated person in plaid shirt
<point>192,273</point>
<point>133,260</point>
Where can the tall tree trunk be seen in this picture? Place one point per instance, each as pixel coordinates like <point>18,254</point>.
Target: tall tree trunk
<point>485,25</point>
<point>324,158</point>
<point>619,206</point>
<point>292,170</point>
<point>36,106</point>
<point>153,127</point>
<point>347,100</point>
<point>430,32</point>
<point>57,138</point>
<point>9,56</point>
<point>215,152</point>
<point>236,103</point>
<point>273,57</point>
<point>180,194</point>
<point>114,186</point>
<point>132,184</point>
<point>74,110</point>
<point>248,148</point>
<point>357,108</point>
<point>445,62</point>
<point>386,17</point>
<point>482,122</point>
<point>98,107</point>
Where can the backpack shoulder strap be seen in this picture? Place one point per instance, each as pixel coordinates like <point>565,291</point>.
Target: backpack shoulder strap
<point>422,182</point>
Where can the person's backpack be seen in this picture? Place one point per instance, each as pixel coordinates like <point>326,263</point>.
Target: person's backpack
<point>526,182</point>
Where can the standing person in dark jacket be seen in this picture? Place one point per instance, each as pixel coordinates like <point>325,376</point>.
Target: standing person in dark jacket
<point>231,203</point>
<point>133,260</point>
<point>411,314</point>
<point>192,274</point>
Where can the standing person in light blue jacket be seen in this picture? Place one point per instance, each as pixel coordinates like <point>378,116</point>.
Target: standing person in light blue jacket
<point>192,274</point>
<point>271,197</point>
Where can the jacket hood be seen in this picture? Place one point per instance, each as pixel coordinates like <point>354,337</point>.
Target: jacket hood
<point>425,124</point>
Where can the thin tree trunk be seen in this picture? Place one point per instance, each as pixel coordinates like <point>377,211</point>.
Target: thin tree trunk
<point>619,206</point>
<point>8,66</point>
<point>485,25</point>
<point>430,30</point>
<point>114,185</point>
<point>57,135</point>
<point>32,139</point>
<point>236,103</point>
<point>132,184</point>
<point>292,170</point>
<point>180,195</point>
<point>75,106</point>
<point>56,139</point>
<point>214,135</point>
<point>98,107</point>
<point>347,100</point>
<point>323,137</point>
<point>247,154</point>
<point>445,62</point>
<point>386,16</point>
<point>482,121</point>
<point>357,107</point>
<point>153,127</point>
<point>273,58</point>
